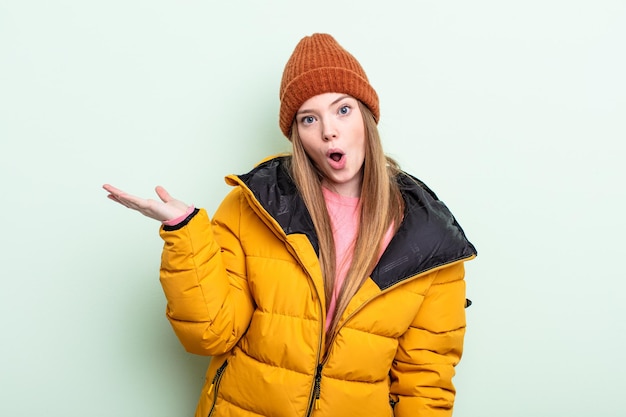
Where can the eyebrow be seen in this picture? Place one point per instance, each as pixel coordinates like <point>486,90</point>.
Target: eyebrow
<point>331,104</point>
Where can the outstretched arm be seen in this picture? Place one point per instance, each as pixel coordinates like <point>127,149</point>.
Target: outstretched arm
<point>203,272</point>
<point>166,209</point>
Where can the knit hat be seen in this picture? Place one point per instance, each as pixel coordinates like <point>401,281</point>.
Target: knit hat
<point>320,65</point>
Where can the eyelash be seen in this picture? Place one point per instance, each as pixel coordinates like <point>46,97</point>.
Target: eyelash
<point>345,106</point>
<point>304,119</point>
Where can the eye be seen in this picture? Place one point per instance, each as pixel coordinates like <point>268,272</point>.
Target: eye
<point>343,110</point>
<point>307,120</point>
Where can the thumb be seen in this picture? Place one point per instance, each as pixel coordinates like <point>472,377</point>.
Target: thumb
<point>163,194</point>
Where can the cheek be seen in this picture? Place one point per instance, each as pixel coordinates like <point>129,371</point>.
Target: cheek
<point>359,139</point>
<point>308,138</point>
<point>306,144</point>
<point>309,148</point>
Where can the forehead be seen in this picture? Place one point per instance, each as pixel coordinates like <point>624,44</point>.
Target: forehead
<point>324,100</point>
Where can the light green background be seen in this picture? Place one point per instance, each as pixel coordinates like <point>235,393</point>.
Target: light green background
<point>513,112</point>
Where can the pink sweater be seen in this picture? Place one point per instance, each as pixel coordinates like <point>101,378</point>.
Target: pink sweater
<point>344,219</point>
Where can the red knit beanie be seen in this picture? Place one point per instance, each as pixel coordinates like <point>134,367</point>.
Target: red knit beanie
<point>320,65</point>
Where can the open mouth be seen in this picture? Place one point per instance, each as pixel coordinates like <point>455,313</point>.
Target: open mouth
<point>336,156</point>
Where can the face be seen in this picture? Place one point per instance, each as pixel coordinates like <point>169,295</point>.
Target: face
<point>331,129</point>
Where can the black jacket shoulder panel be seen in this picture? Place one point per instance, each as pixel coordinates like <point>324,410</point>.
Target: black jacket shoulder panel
<point>271,184</point>
<point>428,237</point>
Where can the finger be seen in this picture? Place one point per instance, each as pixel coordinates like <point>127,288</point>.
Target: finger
<point>127,200</point>
<point>112,189</point>
<point>163,194</point>
<point>118,194</point>
<point>113,198</point>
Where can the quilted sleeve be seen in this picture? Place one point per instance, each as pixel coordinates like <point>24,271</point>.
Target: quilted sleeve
<point>429,350</point>
<point>203,276</point>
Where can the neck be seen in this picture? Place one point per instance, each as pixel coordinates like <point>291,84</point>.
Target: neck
<point>345,190</point>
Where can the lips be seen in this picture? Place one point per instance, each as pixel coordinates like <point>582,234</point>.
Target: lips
<point>336,158</point>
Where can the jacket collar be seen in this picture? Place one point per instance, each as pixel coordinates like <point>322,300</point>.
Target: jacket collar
<point>428,238</point>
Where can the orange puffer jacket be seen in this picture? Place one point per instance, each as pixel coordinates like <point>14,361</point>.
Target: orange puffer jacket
<point>247,289</point>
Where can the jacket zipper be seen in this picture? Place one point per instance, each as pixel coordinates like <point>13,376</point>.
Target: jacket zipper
<point>314,396</point>
<point>393,402</point>
<point>317,386</point>
<point>215,384</point>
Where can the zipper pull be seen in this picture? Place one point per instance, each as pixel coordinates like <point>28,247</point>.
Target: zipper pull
<point>217,376</point>
<point>318,386</point>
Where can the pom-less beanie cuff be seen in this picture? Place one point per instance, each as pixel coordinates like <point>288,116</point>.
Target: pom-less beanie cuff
<point>320,65</point>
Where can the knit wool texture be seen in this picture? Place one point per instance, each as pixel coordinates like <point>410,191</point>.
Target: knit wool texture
<point>320,65</point>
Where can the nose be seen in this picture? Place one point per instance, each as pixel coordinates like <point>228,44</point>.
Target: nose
<point>329,131</point>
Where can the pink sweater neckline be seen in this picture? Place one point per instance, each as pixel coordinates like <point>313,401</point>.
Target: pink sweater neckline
<point>344,218</point>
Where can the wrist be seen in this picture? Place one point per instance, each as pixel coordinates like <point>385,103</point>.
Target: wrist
<point>176,220</point>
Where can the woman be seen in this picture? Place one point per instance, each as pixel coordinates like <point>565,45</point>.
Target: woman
<point>329,282</point>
